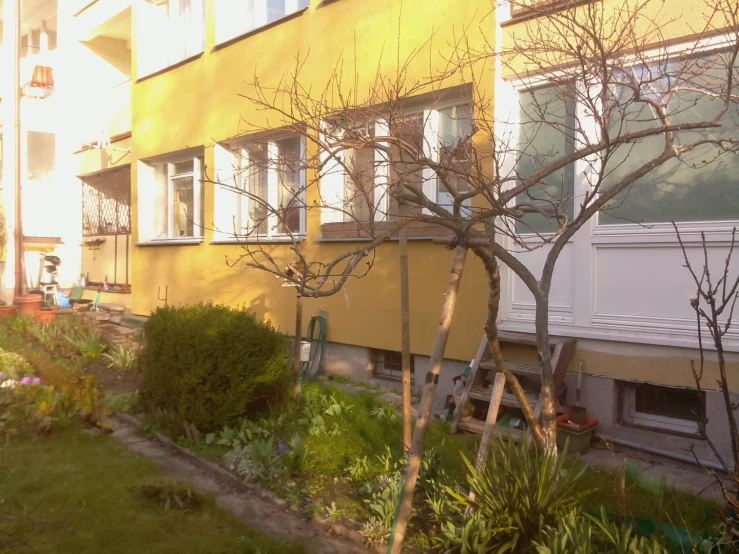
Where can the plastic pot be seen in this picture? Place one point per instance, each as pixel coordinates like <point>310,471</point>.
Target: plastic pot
<point>46,316</point>
<point>6,311</point>
<point>28,303</point>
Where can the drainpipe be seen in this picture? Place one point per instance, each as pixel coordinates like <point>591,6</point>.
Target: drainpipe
<point>17,161</point>
<point>660,452</point>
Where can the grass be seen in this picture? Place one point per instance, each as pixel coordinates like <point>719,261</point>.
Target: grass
<point>86,494</point>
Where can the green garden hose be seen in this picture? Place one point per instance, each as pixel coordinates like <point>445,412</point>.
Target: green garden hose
<point>310,370</point>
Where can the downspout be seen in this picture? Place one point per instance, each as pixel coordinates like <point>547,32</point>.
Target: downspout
<point>660,452</point>
<point>17,161</point>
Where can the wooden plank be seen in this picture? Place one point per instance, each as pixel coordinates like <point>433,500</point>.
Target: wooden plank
<point>478,426</point>
<point>563,353</point>
<point>487,433</point>
<point>522,370</point>
<point>473,372</point>
<point>507,398</point>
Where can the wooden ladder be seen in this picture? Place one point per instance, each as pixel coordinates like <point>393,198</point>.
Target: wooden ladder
<point>483,369</point>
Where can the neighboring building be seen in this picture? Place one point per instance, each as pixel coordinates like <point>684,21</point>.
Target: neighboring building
<point>75,143</point>
<point>620,289</point>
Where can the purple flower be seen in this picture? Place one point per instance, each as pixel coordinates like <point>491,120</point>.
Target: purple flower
<point>2,377</point>
<point>282,447</point>
<point>26,381</point>
<point>37,380</point>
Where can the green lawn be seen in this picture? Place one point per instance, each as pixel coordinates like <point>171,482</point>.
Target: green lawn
<point>80,493</point>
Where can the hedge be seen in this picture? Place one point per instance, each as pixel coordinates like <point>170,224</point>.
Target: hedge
<point>210,364</point>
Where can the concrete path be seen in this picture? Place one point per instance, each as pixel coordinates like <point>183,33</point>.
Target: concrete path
<point>258,513</point>
<point>682,476</point>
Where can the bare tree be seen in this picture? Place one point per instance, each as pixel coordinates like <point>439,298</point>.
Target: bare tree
<point>714,303</point>
<point>600,99</point>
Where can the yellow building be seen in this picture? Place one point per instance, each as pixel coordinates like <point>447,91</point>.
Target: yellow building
<point>161,84</point>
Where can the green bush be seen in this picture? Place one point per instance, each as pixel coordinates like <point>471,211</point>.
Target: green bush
<point>210,364</point>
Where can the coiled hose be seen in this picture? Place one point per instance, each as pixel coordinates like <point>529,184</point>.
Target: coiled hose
<point>310,370</point>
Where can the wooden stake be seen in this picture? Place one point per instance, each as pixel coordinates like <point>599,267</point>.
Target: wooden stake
<point>298,338</point>
<point>405,331</point>
<point>427,400</point>
<point>487,433</point>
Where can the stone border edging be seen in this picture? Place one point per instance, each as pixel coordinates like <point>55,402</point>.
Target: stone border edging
<point>352,535</point>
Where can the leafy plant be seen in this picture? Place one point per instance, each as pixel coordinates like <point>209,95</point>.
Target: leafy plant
<point>359,470</point>
<point>384,502</point>
<point>210,364</point>
<point>89,345</point>
<point>121,358</point>
<point>14,366</point>
<point>585,534</point>
<point>375,532</point>
<point>387,410</point>
<point>521,492</point>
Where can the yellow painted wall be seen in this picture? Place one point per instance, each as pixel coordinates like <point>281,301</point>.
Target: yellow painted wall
<point>197,102</point>
<point>97,264</point>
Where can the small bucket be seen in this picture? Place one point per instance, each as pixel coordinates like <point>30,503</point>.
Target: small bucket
<point>578,415</point>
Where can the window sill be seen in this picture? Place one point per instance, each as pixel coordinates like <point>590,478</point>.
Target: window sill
<point>172,242</point>
<point>349,232</point>
<point>277,240</point>
<point>169,67</point>
<point>228,42</point>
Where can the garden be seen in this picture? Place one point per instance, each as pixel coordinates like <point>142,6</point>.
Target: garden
<point>219,382</point>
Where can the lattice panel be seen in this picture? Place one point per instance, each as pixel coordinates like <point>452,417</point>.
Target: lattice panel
<point>106,203</point>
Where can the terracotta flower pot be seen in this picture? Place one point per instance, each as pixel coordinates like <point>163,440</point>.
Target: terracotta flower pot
<point>6,311</point>
<point>28,303</point>
<point>45,316</point>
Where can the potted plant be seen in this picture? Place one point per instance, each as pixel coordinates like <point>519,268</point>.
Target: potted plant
<point>46,315</point>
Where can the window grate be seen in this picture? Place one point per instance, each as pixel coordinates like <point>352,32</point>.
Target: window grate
<point>106,203</point>
<point>389,365</point>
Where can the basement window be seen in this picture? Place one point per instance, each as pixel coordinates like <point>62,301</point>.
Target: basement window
<point>668,409</point>
<point>388,365</point>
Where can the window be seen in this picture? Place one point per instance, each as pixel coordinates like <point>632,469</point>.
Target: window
<point>170,31</point>
<point>171,199</point>
<point>701,186</point>
<point>41,38</point>
<point>41,159</point>
<point>264,192</point>
<point>658,407</point>
<point>546,134</point>
<point>106,202</point>
<point>455,150</point>
<point>237,17</point>
<point>389,365</point>
<point>353,179</point>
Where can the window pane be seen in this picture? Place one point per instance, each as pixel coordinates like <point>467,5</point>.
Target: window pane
<point>183,206</point>
<point>702,185</point>
<point>403,170</point>
<point>359,184</point>
<point>667,402</point>
<point>257,188</point>
<point>41,155</point>
<point>181,168</point>
<point>288,191</point>
<point>455,124</point>
<point>546,135</point>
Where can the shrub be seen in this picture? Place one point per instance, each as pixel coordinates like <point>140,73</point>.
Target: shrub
<point>14,366</point>
<point>210,364</point>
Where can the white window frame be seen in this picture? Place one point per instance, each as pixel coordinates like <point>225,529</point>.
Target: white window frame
<point>333,196</point>
<point>581,318</point>
<point>229,27</point>
<point>232,207</point>
<point>155,184</point>
<point>631,416</point>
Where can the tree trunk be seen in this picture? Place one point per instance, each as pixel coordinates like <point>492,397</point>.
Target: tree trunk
<point>298,339</point>
<point>405,338</point>
<point>548,396</point>
<point>427,400</point>
<point>492,269</point>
